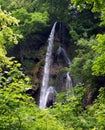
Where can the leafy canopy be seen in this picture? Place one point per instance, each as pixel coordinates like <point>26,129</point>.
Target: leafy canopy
<point>7,35</point>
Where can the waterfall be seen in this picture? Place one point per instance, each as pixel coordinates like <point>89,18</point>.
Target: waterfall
<point>50,96</point>
<point>63,52</point>
<point>45,79</point>
<point>69,83</point>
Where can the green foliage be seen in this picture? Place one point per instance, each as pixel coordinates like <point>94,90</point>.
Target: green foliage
<point>6,32</point>
<point>94,115</point>
<point>99,63</point>
<point>99,66</point>
<point>17,110</point>
<point>69,110</point>
<point>95,4</point>
<point>32,26</point>
<point>70,113</point>
<point>12,96</point>
<point>30,22</point>
<point>82,24</point>
<point>17,4</point>
<point>81,65</point>
<point>56,11</point>
<point>60,12</point>
<point>7,35</point>
<point>46,121</point>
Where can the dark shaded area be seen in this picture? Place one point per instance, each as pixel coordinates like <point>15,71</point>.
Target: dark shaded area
<point>34,93</point>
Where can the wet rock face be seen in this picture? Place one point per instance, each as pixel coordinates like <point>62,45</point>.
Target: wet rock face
<point>49,103</point>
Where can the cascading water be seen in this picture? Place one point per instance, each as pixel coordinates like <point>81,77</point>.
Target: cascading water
<point>50,96</point>
<point>69,83</point>
<point>45,79</point>
<point>63,52</point>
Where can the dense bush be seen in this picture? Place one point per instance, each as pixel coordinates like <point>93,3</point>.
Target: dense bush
<point>73,116</point>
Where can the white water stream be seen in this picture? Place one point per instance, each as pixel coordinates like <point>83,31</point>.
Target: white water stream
<point>45,79</point>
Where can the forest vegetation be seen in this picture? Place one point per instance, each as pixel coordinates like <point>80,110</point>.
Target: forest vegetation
<point>25,26</point>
